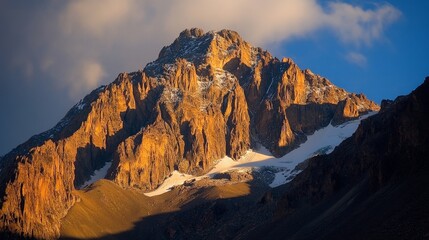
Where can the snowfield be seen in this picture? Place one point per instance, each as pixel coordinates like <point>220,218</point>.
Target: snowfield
<point>176,178</point>
<point>322,141</point>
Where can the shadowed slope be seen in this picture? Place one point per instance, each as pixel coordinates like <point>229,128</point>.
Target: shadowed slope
<point>373,186</point>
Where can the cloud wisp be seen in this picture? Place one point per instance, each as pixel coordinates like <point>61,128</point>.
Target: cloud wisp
<point>356,58</point>
<point>358,26</point>
<point>82,44</point>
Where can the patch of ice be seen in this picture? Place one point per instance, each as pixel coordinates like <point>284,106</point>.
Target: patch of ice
<point>322,141</point>
<point>176,178</point>
<point>98,174</point>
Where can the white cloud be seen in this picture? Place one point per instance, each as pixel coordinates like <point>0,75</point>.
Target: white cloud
<point>85,77</point>
<point>356,25</point>
<point>93,17</point>
<point>92,72</point>
<point>356,58</point>
<point>259,22</point>
<point>84,42</point>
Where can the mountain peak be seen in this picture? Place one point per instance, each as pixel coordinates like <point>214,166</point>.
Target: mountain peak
<point>204,98</point>
<point>214,47</point>
<point>191,33</point>
<point>226,34</point>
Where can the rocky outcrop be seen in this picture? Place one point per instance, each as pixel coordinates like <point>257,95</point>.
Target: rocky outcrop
<point>352,107</point>
<point>205,97</point>
<point>297,102</point>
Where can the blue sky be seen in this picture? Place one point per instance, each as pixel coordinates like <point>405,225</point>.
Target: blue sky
<point>395,64</point>
<point>53,53</point>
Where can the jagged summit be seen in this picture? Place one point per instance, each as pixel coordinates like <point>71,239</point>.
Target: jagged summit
<point>194,41</point>
<point>199,48</point>
<point>207,95</point>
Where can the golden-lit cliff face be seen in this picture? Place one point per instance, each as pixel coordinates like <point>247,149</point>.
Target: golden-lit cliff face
<point>37,177</point>
<point>204,97</point>
<point>198,119</point>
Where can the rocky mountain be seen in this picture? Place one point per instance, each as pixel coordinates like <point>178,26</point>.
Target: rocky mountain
<point>206,96</point>
<point>372,186</point>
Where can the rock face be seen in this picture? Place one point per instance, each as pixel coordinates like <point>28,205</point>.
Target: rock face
<point>372,186</point>
<point>37,178</point>
<point>205,97</point>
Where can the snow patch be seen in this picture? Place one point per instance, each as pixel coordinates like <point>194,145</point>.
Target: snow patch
<point>224,79</point>
<point>176,178</point>
<point>100,88</point>
<point>98,174</point>
<point>360,107</point>
<point>173,95</point>
<point>170,67</point>
<point>63,123</point>
<point>255,57</point>
<point>80,105</point>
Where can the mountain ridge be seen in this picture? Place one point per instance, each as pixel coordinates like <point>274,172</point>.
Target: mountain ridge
<point>182,112</point>
<point>372,186</point>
